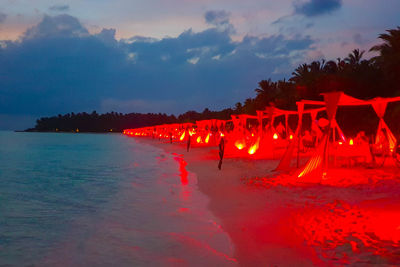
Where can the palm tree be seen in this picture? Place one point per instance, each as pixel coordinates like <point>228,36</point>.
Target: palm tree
<point>317,66</point>
<point>249,106</point>
<point>389,56</point>
<point>306,78</point>
<point>238,107</point>
<point>266,92</point>
<point>265,88</point>
<point>331,67</point>
<point>300,74</point>
<point>391,43</point>
<point>354,58</point>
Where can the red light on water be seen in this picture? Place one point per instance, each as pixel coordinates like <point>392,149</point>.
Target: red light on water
<point>183,173</point>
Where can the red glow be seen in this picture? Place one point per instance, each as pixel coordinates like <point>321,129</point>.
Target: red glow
<point>368,225</point>
<point>239,145</point>
<point>253,149</point>
<point>314,164</point>
<point>182,169</point>
<point>182,136</point>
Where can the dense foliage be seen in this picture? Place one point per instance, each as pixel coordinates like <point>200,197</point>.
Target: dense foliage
<point>358,77</point>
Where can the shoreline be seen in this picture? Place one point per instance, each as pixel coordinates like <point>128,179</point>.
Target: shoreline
<point>236,205</point>
<point>285,225</point>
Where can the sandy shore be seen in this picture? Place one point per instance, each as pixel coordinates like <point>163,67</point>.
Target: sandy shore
<point>272,224</point>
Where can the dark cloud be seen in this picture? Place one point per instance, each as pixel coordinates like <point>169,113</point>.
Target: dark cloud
<point>313,8</point>
<point>58,26</point>
<point>59,67</point>
<point>217,17</point>
<point>2,17</point>
<point>107,36</point>
<point>59,8</point>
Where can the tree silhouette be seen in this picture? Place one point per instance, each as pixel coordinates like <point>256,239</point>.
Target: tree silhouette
<point>266,93</point>
<point>389,57</point>
<point>354,58</point>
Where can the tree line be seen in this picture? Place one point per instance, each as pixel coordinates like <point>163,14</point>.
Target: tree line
<point>354,75</point>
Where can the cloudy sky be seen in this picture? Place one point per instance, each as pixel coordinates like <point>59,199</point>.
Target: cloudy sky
<point>167,56</point>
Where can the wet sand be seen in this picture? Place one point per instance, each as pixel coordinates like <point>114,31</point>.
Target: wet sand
<point>272,224</point>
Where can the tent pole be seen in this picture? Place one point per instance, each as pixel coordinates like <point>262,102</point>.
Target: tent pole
<point>286,126</point>
<point>300,108</point>
<point>334,142</point>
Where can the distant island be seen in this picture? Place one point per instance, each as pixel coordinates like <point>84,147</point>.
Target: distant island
<point>117,122</point>
<point>355,76</point>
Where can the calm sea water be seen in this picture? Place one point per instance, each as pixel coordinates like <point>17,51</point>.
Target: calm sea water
<point>96,199</point>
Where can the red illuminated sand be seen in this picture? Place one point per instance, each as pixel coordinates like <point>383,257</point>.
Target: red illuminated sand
<point>352,217</point>
<point>338,206</point>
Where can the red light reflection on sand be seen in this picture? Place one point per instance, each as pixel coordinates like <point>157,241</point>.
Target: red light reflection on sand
<point>363,228</point>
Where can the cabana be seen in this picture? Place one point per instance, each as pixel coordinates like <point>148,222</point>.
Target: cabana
<point>244,139</point>
<point>271,113</point>
<point>276,139</point>
<point>208,132</point>
<point>317,166</point>
<point>258,141</point>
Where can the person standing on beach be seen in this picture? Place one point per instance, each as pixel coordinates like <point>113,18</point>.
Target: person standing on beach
<point>221,151</point>
<point>188,141</point>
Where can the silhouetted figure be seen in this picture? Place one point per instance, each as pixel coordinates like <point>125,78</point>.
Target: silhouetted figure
<point>221,151</point>
<point>308,140</point>
<point>361,138</point>
<point>170,137</point>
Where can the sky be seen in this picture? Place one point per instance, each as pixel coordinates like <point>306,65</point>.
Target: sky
<point>167,56</point>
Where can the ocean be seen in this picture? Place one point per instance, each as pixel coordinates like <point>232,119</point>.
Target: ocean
<point>102,200</point>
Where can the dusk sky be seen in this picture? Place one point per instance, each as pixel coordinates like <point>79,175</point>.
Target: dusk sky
<point>167,56</point>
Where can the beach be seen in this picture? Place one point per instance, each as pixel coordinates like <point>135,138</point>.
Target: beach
<point>273,222</point>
